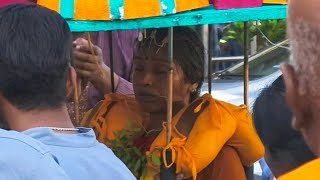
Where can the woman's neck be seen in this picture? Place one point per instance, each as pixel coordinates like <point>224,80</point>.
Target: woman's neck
<point>157,118</point>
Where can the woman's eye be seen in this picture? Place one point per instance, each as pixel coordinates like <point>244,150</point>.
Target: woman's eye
<point>162,72</point>
<point>138,69</point>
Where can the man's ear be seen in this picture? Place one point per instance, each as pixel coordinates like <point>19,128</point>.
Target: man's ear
<point>71,82</point>
<point>293,96</point>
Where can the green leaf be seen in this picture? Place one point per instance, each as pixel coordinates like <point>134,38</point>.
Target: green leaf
<point>137,166</point>
<point>156,160</point>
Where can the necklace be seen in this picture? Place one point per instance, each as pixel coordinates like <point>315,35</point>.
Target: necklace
<point>61,129</point>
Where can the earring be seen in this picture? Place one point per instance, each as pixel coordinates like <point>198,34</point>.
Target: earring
<point>193,90</point>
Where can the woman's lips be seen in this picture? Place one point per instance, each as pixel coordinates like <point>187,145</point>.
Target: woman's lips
<point>144,97</point>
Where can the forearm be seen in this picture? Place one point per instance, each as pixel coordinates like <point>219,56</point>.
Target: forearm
<point>104,83</point>
<point>122,87</point>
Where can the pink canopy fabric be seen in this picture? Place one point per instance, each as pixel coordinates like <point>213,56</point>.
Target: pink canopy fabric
<point>8,2</point>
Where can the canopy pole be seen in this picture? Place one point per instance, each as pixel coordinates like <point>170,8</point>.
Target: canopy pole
<point>76,94</point>
<point>169,173</point>
<point>246,62</point>
<point>111,62</point>
<point>248,170</point>
<point>170,84</point>
<point>209,56</point>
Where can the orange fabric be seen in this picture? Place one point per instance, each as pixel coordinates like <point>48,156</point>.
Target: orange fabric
<point>107,118</point>
<point>275,1</point>
<point>219,124</point>
<point>141,8</point>
<point>245,139</point>
<point>222,123</point>
<point>309,171</point>
<point>183,5</point>
<point>51,4</point>
<point>91,10</point>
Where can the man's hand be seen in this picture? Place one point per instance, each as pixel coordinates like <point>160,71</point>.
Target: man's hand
<point>90,67</point>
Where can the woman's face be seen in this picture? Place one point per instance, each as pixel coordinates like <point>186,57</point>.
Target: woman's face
<point>150,81</point>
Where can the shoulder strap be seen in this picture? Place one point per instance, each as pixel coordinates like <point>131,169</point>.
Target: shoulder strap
<point>190,115</point>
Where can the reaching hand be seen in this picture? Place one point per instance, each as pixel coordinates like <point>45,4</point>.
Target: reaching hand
<point>90,67</point>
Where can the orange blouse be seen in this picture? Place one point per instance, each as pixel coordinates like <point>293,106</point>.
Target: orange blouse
<point>218,124</point>
<point>309,171</point>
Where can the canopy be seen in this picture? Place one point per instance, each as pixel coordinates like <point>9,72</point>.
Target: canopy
<point>103,15</point>
<point>120,9</point>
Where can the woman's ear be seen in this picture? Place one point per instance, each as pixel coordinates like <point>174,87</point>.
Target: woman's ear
<point>193,87</point>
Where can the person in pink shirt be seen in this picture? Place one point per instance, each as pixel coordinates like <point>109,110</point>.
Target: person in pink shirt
<point>89,66</point>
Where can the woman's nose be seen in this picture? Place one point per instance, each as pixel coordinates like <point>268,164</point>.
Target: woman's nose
<point>147,79</point>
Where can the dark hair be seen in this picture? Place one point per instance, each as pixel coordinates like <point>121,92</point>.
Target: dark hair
<point>35,53</point>
<point>272,119</point>
<point>188,52</point>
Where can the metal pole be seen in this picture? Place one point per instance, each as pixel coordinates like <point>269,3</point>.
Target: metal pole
<point>246,62</point>
<point>209,59</point>
<point>111,62</point>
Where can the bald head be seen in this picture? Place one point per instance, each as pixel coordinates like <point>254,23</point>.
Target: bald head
<point>302,74</point>
<point>304,9</point>
<point>304,34</point>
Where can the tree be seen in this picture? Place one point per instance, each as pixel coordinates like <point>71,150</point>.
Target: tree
<point>274,30</point>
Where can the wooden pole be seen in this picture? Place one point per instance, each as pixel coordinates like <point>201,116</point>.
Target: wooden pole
<point>248,170</point>
<point>246,63</point>
<point>169,173</point>
<point>170,82</point>
<point>76,94</point>
<point>93,53</point>
<point>111,62</point>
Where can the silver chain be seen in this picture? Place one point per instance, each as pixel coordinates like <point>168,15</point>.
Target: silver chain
<point>61,129</point>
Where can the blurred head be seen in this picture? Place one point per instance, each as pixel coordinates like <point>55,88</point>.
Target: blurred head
<point>35,57</point>
<point>151,68</point>
<point>285,147</point>
<point>302,74</point>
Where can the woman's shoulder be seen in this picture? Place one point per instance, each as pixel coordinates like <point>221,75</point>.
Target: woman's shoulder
<point>225,106</point>
<point>114,113</point>
<point>119,102</point>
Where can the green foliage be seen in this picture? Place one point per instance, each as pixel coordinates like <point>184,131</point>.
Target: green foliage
<point>236,31</point>
<point>123,147</point>
<point>156,160</point>
<point>274,30</point>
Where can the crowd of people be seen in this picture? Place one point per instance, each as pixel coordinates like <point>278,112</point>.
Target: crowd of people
<point>122,135</point>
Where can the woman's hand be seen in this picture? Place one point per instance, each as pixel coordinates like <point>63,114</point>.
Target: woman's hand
<point>90,67</point>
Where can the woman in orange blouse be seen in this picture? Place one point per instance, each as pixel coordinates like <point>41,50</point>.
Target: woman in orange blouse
<point>211,139</point>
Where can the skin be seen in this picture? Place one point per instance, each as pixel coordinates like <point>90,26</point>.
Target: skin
<point>20,120</point>
<point>300,100</point>
<point>91,67</point>
<point>150,84</point>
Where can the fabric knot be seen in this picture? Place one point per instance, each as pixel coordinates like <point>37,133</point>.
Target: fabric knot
<point>176,146</point>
